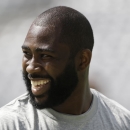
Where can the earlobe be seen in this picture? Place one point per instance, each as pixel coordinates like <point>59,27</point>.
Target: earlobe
<point>85,58</point>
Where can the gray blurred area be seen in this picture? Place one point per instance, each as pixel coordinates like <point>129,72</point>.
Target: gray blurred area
<point>110,65</point>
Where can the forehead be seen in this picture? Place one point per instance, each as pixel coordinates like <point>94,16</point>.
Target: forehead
<point>39,33</point>
<point>46,37</point>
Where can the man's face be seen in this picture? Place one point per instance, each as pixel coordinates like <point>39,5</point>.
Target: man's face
<point>48,71</point>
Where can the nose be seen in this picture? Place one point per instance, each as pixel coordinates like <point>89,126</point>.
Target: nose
<point>33,67</point>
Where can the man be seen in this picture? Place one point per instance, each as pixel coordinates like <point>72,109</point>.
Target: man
<point>56,56</point>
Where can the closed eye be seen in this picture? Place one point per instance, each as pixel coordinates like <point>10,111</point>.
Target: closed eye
<point>45,56</point>
<point>27,54</point>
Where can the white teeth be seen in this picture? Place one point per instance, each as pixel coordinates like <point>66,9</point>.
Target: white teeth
<point>31,82</point>
<point>35,83</point>
<point>47,81</point>
<point>40,82</point>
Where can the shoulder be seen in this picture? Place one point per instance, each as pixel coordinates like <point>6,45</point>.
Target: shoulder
<point>112,109</point>
<point>109,103</point>
<point>16,104</point>
<point>11,113</point>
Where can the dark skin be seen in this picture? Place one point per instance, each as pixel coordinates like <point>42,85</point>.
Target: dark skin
<point>43,54</point>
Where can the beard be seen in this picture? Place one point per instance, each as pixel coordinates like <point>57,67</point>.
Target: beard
<point>61,88</point>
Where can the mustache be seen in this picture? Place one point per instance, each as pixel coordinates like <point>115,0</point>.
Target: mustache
<point>38,76</point>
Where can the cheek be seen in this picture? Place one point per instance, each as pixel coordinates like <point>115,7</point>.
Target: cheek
<point>54,70</point>
<point>24,61</point>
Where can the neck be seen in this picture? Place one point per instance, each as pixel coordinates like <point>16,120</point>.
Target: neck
<point>78,103</point>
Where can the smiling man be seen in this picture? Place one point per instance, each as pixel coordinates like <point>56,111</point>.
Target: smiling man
<point>56,57</point>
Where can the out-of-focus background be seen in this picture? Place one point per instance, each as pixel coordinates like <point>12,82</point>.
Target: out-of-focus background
<point>110,66</point>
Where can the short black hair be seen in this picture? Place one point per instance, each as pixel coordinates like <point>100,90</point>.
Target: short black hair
<point>75,30</point>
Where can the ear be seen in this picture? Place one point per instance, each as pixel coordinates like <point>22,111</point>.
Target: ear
<point>85,58</point>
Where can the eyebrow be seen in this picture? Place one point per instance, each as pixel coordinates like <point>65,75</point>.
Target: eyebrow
<point>25,47</point>
<point>39,49</point>
<point>42,50</point>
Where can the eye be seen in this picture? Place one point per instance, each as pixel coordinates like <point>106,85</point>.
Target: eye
<point>45,56</point>
<point>27,54</point>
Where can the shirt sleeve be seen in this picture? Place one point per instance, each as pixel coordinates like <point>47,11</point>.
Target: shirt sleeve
<point>10,121</point>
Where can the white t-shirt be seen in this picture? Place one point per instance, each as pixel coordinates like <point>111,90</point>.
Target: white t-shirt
<point>104,114</point>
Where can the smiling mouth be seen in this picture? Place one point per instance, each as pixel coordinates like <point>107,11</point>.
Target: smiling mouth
<point>40,86</point>
<point>39,83</point>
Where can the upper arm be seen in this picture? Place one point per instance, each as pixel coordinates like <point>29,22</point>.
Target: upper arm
<point>10,121</point>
